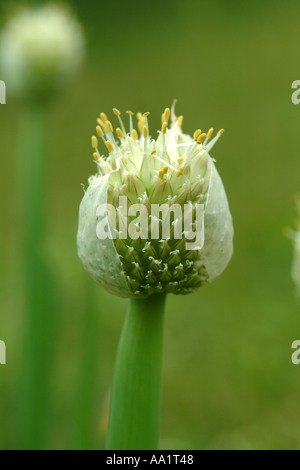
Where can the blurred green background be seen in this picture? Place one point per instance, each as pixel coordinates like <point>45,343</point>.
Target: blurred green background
<point>228,380</point>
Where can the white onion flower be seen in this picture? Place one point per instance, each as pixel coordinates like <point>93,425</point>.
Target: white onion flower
<point>173,169</point>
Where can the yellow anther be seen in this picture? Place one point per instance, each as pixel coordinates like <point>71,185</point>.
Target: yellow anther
<point>162,172</point>
<point>140,125</point>
<point>94,142</point>
<point>164,127</point>
<point>165,169</point>
<point>221,131</point>
<point>201,138</point>
<point>130,112</point>
<point>119,133</point>
<point>180,172</point>
<point>134,134</point>
<point>179,121</point>
<point>153,152</point>
<point>146,114</point>
<point>196,150</point>
<point>180,159</point>
<point>109,146</point>
<point>103,117</point>
<point>139,116</point>
<point>204,147</point>
<point>145,131</point>
<point>109,127</point>
<point>197,133</point>
<point>117,112</point>
<point>96,156</point>
<point>162,118</point>
<point>99,131</point>
<point>100,122</point>
<point>166,114</point>
<point>209,134</point>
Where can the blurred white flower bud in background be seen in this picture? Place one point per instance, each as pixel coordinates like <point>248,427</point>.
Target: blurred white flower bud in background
<point>41,48</point>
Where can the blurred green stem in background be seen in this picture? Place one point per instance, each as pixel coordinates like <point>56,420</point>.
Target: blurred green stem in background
<point>85,418</point>
<point>38,310</point>
<point>135,402</point>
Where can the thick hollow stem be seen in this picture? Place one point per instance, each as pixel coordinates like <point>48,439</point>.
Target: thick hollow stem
<point>135,401</point>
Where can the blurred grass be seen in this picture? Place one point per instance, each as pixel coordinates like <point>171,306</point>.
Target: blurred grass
<point>228,381</point>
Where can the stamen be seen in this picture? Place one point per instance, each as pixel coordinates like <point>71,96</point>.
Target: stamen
<point>109,146</point>
<point>210,132</point>
<point>96,156</point>
<point>99,131</point>
<point>164,127</point>
<point>103,117</point>
<point>94,142</point>
<point>118,114</point>
<point>141,122</point>
<point>145,116</point>
<point>134,134</point>
<point>162,172</point>
<point>120,134</point>
<point>166,163</point>
<point>130,120</point>
<point>140,125</point>
<point>109,133</point>
<point>179,121</point>
<point>215,139</point>
<point>100,122</point>
<point>109,127</point>
<point>201,138</point>
<point>166,114</point>
<point>197,133</point>
<point>145,134</point>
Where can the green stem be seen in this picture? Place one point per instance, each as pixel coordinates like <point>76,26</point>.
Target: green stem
<point>85,418</point>
<point>135,401</point>
<point>38,311</point>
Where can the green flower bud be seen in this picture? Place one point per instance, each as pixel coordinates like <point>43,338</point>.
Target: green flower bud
<point>155,218</point>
